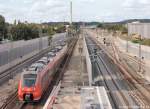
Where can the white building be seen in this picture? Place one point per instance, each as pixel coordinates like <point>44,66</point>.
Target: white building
<point>142,29</point>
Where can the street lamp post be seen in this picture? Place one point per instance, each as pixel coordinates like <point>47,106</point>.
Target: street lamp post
<point>140,55</point>
<point>10,60</point>
<point>96,33</point>
<point>127,45</point>
<point>40,37</point>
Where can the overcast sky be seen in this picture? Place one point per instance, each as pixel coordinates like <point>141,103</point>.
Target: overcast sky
<point>83,10</point>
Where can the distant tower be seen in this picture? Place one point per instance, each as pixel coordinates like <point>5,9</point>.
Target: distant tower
<point>71,12</point>
<point>15,22</point>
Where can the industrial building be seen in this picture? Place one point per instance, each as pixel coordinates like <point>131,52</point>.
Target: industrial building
<point>137,28</point>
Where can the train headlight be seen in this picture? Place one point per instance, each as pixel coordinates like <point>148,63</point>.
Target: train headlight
<point>34,89</point>
<point>22,89</point>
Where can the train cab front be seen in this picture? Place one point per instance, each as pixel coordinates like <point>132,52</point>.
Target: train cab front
<point>28,89</point>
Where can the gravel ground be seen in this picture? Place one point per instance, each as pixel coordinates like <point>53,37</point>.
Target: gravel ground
<point>8,88</point>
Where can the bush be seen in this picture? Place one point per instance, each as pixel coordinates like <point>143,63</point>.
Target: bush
<point>146,42</point>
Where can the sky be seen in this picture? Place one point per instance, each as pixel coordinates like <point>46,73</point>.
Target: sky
<point>83,10</point>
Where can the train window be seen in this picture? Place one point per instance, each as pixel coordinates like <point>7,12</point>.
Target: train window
<point>29,80</point>
<point>36,65</point>
<point>58,48</point>
<point>50,59</point>
<point>32,68</point>
<point>40,69</point>
<point>42,61</point>
<point>51,54</point>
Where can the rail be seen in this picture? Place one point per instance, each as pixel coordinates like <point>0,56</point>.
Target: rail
<point>133,82</point>
<point>10,101</point>
<point>56,81</point>
<point>115,83</point>
<point>7,74</point>
<point>52,97</point>
<point>113,97</point>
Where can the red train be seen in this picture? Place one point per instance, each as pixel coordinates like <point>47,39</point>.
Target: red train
<point>36,78</point>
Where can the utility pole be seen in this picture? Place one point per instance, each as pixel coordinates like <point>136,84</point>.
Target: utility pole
<point>127,43</point>
<point>70,34</point>
<point>40,36</point>
<point>96,33</point>
<point>127,46</point>
<point>10,58</point>
<point>140,55</point>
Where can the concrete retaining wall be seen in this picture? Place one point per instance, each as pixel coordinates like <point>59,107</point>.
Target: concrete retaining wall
<point>88,61</point>
<point>15,52</point>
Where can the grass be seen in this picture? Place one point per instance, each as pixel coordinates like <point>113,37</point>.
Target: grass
<point>146,42</point>
<point>135,40</point>
<point>142,42</point>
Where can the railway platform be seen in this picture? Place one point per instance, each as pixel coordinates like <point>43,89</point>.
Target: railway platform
<point>74,91</point>
<point>74,78</point>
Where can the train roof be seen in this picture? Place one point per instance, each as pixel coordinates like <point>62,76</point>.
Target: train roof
<point>44,58</point>
<point>29,72</point>
<point>42,61</point>
<point>35,67</point>
<point>52,54</point>
<point>37,64</point>
<point>59,47</point>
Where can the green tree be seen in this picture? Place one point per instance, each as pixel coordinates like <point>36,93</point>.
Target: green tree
<point>3,30</point>
<point>59,28</point>
<point>50,30</point>
<point>24,31</point>
<point>113,27</point>
<point>100,25</point>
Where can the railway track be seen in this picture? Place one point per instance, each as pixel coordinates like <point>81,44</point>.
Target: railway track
<point>15,69</point>
<point>135,82</point>
<point>103,69</point>
<point>11,101</point>
<point>140,93</point>
<point>126,102</point>
<point>55,81</point>
<point>7,74</point>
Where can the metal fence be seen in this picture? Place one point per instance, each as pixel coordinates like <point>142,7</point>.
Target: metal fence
<point>134,48</point>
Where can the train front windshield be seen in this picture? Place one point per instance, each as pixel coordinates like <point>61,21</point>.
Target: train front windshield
<point>29,80</point>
